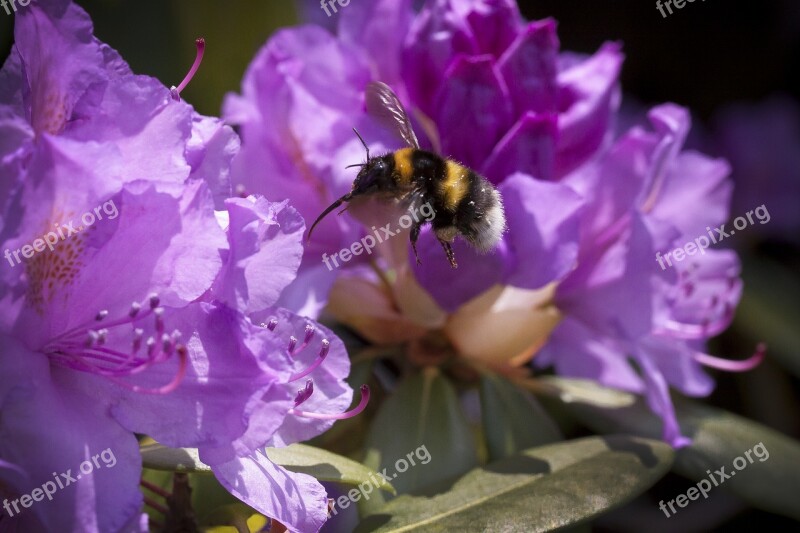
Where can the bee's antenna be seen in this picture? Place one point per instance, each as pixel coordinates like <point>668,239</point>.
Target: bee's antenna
<point>362,142</point>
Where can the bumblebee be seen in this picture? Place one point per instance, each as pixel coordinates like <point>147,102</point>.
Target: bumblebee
<point>464,202</point>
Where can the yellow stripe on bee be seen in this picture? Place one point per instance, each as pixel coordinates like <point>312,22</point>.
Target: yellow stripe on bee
<point>403,165</point>
<point>455,185</point>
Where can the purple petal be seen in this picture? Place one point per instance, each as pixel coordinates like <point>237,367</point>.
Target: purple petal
<point>233,364</point>
<point>660,402</point>
<point>331,392</point>
<point>451,288</point>
<point>357,26</point>
<point>474,108</point>
<point>265,252</point>
<point>703,297</point>
<point>437,35</point>
<point>307,295</point>
<point>530,68</point>
<point>589,97</point>
<point>495,23</point>
<point>62,60</point>
<point>210,152</point>
<point>105,494</point>
<point>122,260</point>
<point>528,148</point>
<point>543,221</point>
<point>297,501</point>
<point>611,287</point>
<point>576,350</point>
<point>677,364</point>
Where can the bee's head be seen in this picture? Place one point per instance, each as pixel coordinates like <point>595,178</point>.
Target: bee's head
<point>375,175</point>
<point>372,176</point>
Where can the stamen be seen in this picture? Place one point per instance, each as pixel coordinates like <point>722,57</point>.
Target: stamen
<point>292,344</point>
<point>138,333</point>
<point>166,343</point>
<point>84,349</point>
<point>323,352</point>
<point>338,416</point>
<point>304,393</point>
<point>91,338</point>
<point>176,91</point>
<point>272,324</point>
<point>733,366</point>
<point>169,387</point>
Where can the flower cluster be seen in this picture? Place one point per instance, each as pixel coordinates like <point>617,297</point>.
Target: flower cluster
<point>573,282</point>
<point>162,321</point>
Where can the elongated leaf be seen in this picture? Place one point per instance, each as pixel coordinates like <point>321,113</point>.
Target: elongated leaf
<point>512,419</point>
<point>770,481</point>
<point>542,489</point>
<point>159,457</point>
<point>769,311</point>
<point>421,421</point>
<point>326,466</point>
<point>322,464</point>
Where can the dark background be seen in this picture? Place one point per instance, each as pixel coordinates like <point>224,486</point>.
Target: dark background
<point>703,56</point>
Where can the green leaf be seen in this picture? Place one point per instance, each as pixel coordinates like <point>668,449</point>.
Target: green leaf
<point>512,419</point>
<point>159,457</point>
<point>422,420</point>
<point>769,312</point>
<point>718,438</point>
<point>326,466</point>
<point>541,489</point>
<point>301,458</point>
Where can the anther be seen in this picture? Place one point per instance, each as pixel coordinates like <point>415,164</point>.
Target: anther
<point>135,307</point>
<point>154,300</point>
<point>337,416</point>
<point>292,344</point>
<point>166,343</point>
<point>304,393</point>
<point>323,352</point>
<point>101,315</point>
<point>159,314</point>
<point>91,338</point>
<point>138,333</point>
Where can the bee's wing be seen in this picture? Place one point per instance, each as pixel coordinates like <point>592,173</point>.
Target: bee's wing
<point>384,105</point>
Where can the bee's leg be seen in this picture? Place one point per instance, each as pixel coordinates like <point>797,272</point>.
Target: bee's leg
<point>414,236</point>
<point>449,251</point>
